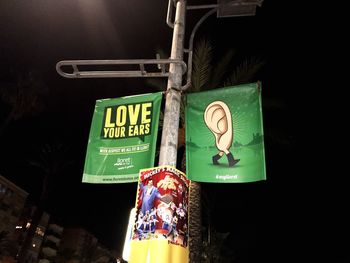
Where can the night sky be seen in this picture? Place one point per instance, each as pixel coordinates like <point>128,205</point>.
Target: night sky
<point>262,217</point>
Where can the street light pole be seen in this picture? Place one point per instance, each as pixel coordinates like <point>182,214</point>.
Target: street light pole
<point>168,148</point>
<point>169,141</point>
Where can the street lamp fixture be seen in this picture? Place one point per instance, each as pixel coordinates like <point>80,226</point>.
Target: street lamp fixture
<point>234,8</point>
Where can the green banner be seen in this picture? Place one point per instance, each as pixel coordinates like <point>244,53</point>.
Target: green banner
<point>224,135</point>
<point>122,139</point>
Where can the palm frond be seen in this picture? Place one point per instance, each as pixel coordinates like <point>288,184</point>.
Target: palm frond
<point>221,69</point>
<point>157,83</point>
<point>245,72</point>
<point>25,94</point>
<point>202,58</point>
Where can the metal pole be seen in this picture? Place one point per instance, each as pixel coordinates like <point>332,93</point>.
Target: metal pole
<point>168,148</point>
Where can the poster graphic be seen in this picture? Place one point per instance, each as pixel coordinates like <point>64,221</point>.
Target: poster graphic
<point>161,216</point>
<point>225,122</point>
<point>122,138</point>
<point>217,117</point>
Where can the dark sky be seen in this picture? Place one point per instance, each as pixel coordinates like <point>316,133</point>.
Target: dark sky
<point>36,34</point>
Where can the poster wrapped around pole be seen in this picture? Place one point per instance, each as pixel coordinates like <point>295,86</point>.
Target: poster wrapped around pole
<point>160,231</point>
<point>122,138</point>
<point>224,135</point>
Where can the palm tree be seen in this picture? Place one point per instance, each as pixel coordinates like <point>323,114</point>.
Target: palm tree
<point>51,161</point>
<point>207,75</point>
<point>212,248</point>
<point>23,94</point>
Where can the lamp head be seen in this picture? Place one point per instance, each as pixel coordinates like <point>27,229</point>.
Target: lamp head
<point>234,8</point>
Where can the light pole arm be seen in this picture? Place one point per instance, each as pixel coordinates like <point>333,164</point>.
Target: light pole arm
<point>190,48</point>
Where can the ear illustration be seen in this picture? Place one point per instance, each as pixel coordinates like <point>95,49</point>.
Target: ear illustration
<point>217,117</point>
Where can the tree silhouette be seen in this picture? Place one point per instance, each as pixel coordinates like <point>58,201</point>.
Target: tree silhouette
<point>23,94</point>
<point>207,74</point>
<point>51,160</point>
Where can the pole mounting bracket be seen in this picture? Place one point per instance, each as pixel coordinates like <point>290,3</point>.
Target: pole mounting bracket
<point>108,68</point>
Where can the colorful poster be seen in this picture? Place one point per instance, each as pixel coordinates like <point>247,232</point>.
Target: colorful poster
<point>122,139</point>
<point>161,223</point>
<point>224,135</point>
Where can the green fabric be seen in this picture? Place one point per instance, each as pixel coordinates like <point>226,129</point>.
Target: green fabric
<point>122,138</point>
<point>244,104</point>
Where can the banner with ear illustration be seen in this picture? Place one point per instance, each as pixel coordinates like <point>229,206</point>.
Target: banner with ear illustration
<point>226,121</point>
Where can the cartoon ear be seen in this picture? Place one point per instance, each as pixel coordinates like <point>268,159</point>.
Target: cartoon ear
<point>217,117</point>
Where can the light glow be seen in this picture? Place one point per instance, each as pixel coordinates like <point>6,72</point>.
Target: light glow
<point>128,237</point>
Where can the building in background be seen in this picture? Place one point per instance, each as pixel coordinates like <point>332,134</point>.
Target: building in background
<point>44,243</point>
<point>12,201</point>
<point>79,243</point>
<point>51,243</point>
<point>32,254</point>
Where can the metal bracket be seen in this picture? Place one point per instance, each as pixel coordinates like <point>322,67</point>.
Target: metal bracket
<point>161,64</point>
<point>190,49</point>
<point>169,14</point>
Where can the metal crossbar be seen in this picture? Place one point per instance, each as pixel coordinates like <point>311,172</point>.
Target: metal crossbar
<point>140,68</point>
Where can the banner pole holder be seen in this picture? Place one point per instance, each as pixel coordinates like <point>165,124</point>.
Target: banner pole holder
<point>139,64</point>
